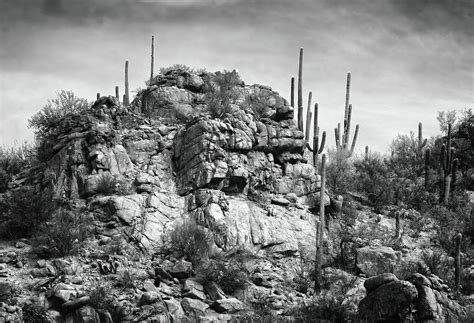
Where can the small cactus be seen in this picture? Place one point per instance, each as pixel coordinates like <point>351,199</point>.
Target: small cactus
<point>317,146</point>
<point>98,95</point>
<point>292,92</point>
<point>427,168</point>
<point>421,142</point>
<point>366,153</point>
<point>447,162</point>
<point>117,93</point>
<point>397,224</point>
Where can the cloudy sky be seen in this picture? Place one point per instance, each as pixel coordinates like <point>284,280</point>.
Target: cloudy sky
<point>408,59</point>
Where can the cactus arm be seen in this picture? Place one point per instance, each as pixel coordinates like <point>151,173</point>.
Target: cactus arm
<point>354,140</point>
<point>323,142</point>
<point>308,118</point>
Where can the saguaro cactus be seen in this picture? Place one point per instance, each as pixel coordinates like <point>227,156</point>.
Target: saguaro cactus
<point>457,263</point>
<point>98,95</point>
<point>320,229</point>
<point>117,93</point>
<point>447,161</point>
<point>292,92</point>
<point>126,100</point>
<point>317,147</point>
<point>397,224</point>
<point>308,118</point>
<point>366,157</point>
<point>421,142</point>
<point>300,91</point>
<point>427,168</point>
<point>152,57</point>
<point>342,140</point>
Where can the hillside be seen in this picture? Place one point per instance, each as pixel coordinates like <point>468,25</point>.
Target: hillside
<point>200,201</point>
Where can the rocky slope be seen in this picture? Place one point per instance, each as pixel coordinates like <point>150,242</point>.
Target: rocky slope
<point>243,178</point>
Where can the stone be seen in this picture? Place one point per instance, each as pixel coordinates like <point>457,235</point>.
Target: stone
<point>374,282</point>
<point>72,305</point>
<point>194,306</point>
<point>280,201</point>
<point>377,260</point>
<point>193,289</point>
<point>6,288</point>
<point>181,269</point>
<point>174,308</point>
<point>214,291</point>
<point>418,279</point>
<point>148,298</point>
<point>228,305</point>
<point>86,314</point>
<point>392,301</point>
<point>63,292</point>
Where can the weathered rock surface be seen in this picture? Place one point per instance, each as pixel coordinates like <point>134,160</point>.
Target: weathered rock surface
<point>375,260</point>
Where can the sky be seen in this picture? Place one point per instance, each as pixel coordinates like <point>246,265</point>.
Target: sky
<point>408,59</point>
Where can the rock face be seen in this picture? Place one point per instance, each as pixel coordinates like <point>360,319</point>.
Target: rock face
<point>421,299</point>
<point>244,176</point>
<point>376,260</point>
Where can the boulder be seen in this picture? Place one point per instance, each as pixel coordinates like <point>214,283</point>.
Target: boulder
<point>376,260</point>
<point>6,288</point>
<point>214,291</point>
<point>193,289</point>
<point>228,305</point>
<point>393,301</point>
<point>374,282</point>
<point>194,306</point>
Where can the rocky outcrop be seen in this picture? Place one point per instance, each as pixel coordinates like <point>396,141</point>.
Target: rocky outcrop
<point>420,298</point>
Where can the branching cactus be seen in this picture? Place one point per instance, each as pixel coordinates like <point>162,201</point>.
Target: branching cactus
<point>300,91</point>
<point>342,139</point>
<point>457,263</point>
<point>317,146</point>
<point>320,225</point>
<point>447,162</point>
<point>308,118</point>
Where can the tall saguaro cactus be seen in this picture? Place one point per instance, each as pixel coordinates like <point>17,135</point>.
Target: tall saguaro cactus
<point>427,168</point>
<point>447,162</point>
<point>126,100</point>
<point>308,118</point>
<point>421,143</point>
<point>152,57</point>
<point>320,225</point>
<point>457,263</point>
<point>300,91</point>
<point>342,140</point>
<point>292,92</point>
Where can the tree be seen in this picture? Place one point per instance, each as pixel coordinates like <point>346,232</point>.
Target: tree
<point>340,171</point>
<point>49,116</point>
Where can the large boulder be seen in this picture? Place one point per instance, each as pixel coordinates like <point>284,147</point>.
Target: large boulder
<point>375,260</point>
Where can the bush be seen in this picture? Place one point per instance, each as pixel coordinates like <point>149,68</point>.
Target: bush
<point>438,264</point>
<point>339,172</point>
<point>222,93</point>
<point>372,179</point>
<point>189,240</point>
<point>12,162</point>
<point>107,184</point>
<point>34,313</point>
<point>126,279</point>
<point>258,103</point>
<point>304,276</point>
<point>101,299</point>
<point>24,210</point>
<point>64,232</point>
<point>229,274</point>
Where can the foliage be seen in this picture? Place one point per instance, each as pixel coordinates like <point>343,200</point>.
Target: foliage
<point>66,230</point>
<point>126,279</point>
<point>189,240</point>
<point>258,103</point>
<point>101,299</point>
<point>34,313</point>
<point>107,184</point>
<point>230,274</point>
<point>331,304</point>
<point>339,171</point>
<point>453,117</point>
<point>372,178</point>
<point>304,276</point>
<point>182,67</point>
<point>49,116</point>
<point>12,161</point>
<point>437,262</point>
<point>222,93</point>
<point>24,210</point>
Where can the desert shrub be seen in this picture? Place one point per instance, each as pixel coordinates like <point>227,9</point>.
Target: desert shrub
<point>64,232</point>
<point>339,171</point>
<point>126,279</point>
<point>437,263</point>
<point>230,274</point>
<point>372,179</point>
<point>189,240</point>
<point>34,313</point>
<point>107,184</point>
<point>333,303</point>
<point>101,299</point>
<point>258,103</point>
<point>182,67</point>
<point>304,276</point>
<point>222,93</point>
<point>49,116</point>
<point>12,162</point>
<point>24,210</point>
